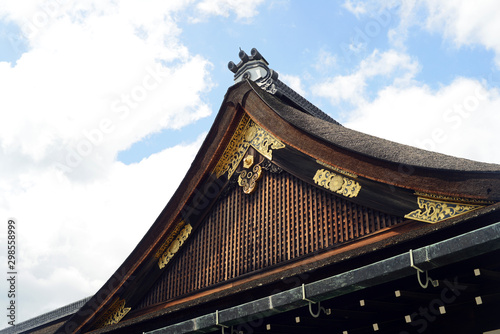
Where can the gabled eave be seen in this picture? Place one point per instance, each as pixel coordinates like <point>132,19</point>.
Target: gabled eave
<point>383,175</point>
<point>407,236</point>
<point>478,242</point>
<point>375,158</point>
<point>141,259</point>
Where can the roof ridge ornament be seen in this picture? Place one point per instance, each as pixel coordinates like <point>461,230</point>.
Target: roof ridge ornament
<point>255,68</point>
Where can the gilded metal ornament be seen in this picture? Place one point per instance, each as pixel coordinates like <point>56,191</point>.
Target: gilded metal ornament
<point>235,150</point>
<point>169,240</point>
<point>248,179</point>
<point>263,141</point>
<point>248,161</point>
<point>174,246</point>
<point>114,314</point>
<point>434,211</point>
<point>248,133</point>
<point>454,199</point>
<point>337,183</point>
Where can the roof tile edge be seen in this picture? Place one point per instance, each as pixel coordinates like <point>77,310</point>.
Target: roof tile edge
<point>45,318</point>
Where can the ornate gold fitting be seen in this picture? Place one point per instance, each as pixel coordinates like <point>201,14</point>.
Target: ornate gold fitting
<point>248,134</point>
<point>434,211</point>
<point>248,178</point>
<point>114,314</point>
<point>337,183</point>
<point>175,243</point>
<point>248,161</point>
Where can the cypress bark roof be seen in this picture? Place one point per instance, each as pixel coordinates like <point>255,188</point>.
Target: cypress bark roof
<point>367,144</point>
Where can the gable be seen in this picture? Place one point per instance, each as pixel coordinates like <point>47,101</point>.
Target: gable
<point>261,194</point>
<point>284,219</point>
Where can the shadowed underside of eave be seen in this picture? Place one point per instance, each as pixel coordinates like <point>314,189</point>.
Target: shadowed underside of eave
<point>282,220</point>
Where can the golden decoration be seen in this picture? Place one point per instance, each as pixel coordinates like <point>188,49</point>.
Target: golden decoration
<point>337,183</point>
<point>263,141</point>
<point>235,150</point>
<point>174,246</point>
<point>248,179</point>
<point>171,237</point>
<point>454,199</point>
<point>247,134</point>
<point>114,314</point>
<point>434,211</point>
<point>248,161</point>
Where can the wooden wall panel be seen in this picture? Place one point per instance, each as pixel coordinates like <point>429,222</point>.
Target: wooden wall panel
<point>283,219</point>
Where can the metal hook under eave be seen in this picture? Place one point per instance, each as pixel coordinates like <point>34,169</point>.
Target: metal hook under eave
<point>427,278</point>
<point>315,315</point>
<point>320,308</point>
<point>217,321</point>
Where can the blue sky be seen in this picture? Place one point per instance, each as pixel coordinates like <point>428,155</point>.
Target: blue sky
<point>298,35</point>
<point>103,105</point>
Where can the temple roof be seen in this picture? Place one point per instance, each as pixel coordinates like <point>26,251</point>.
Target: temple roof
<point>399,194</point>
<point>255,68</point>
<point>367,144</point>
<point>298,111</point>
<point>47,322</point>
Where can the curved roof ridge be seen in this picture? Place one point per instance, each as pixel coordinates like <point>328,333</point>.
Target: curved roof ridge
<point>302,103</point>
<point>370,145</point>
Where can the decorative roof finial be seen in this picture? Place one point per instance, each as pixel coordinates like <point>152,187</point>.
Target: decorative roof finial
<point>254,67</point>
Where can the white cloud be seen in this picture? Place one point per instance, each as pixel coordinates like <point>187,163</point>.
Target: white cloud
<point>325,61</point>
<point>352,87</point>
<point>464,23</point>
<point>453,119</point>
<point>356,7</point>
<point>243,9</point>
<point>85,86</point>
<point>97,77</point>
<point>294,82</point>
<point>72,236</point>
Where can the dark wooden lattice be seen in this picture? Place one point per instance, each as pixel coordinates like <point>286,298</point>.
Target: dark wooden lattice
<point>283,219</point>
